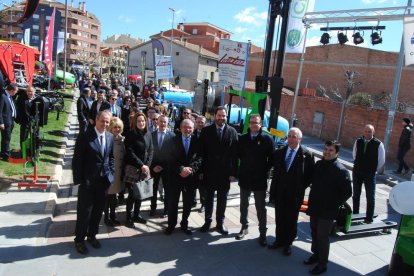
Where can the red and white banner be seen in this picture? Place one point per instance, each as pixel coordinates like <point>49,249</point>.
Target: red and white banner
<point>233,63</point>
<point>48,49</point>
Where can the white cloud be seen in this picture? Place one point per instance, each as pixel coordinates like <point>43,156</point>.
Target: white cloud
<point>251,16</point>
<point>240,30</point>
<point>125,19</point>
<point>313,41</point>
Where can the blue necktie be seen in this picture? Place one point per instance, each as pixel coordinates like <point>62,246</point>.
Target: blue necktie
<point>102,145</point>
<point>289,158</point>
<point>186,145</point>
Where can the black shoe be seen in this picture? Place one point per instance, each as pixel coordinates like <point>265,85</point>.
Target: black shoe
<point>243,232</point>
<point>317,270</point>
<point>115,221</point>
<point>81,248</point>
<point>130,223</point>
<point>161,198</point>
<point>202,209</point>
<point>311,260</point>
<point>94,242</point>
<point>274,245</point>
<point>168,231</point>
<point>140,219</point>
<point>287,250</point>
<point>205,227</point>
<point>186,231</point>
<point>108,222</point>
<point>262,240</point>
<point>406,172</point>
<point>194,204</point>
<point>222,229</point>
<point>121,201</point>
<point>152,213</point>
<point>368,221</point>
<point>164,215</point>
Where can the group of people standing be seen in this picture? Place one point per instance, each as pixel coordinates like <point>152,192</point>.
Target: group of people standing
<point>193,155</point>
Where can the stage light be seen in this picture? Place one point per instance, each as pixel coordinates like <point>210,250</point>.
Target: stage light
<point>376,38</point>
<point>342,38</point>
<point>325,38</point>
<point>358,39</point>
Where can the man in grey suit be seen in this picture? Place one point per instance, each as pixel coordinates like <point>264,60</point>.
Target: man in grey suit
<point>93,169</point>
<point>160,137</point>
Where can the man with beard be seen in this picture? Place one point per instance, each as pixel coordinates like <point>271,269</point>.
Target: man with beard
<point>218,144</point>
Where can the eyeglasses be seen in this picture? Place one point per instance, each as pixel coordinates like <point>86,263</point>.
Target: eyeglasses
<point>113,98</point>
<point>155,119</point>
<point>186,113</point>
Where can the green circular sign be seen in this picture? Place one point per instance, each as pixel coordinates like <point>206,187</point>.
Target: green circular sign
<point>294,38</point>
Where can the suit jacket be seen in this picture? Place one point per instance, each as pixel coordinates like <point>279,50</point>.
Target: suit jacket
<point>288,187</point>
<point>93,111</point>
<point>219,157</point>
<point>178,159</point>
<point>83,109</point>
<point>118,111</point>
<point>88,164</point>
<point>6,115</point>
<point>139,149</point>
<point>161,155</point>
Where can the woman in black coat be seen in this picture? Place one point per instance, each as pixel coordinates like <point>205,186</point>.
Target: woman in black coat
<point>139,151</point>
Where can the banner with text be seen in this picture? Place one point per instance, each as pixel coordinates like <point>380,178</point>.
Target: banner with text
<point>409,40</point>
<point>47,51</point>
<point>295,35</point>
<point>163,67</point>
<point>233,63</point>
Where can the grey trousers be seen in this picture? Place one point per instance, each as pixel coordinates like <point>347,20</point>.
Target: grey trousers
<point>320,238</point>
<point>260,203</point>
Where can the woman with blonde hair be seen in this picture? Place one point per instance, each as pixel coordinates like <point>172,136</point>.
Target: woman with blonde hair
<point>139,152</point>
<point>116,127</point>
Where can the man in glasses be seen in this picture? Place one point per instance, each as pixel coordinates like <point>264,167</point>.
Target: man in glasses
<point>114,107</point>
<point>255,151</point>
<point>185,114</point>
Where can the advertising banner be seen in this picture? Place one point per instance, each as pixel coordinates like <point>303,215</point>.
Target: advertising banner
<point>409,40</point>
<point>233,63</point>
<point>48,59</point>
<point>163,67</point>
<point>296,29</point>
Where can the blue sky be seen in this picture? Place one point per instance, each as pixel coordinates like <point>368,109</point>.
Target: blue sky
<point>246,19</point>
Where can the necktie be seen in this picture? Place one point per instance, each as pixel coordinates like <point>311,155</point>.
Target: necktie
<point>219,133</point>
<point>289,158</point>
<point>186,145</point>
<point>161,139</point>
<point>113,110</point>
<point>12,107</point>
<point>101,137</point>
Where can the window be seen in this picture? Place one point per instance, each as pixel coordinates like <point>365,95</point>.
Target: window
<point>35,16</point>
<point>177,53</point>
<point>195,31</point>
<point>94,27</point>
<point>35,38</point>
<point>79,43</point>
<point>48,17</point>
<point>93,46</point>
<point>35,27</point>
<point>94,36</point>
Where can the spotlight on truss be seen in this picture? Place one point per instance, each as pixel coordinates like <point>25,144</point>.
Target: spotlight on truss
<point>358,39</point>
<point>342,38</point>
<point>325,38</point>
<point>376,38</point>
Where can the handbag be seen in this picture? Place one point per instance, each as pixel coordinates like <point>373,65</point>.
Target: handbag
<point>142,188</point>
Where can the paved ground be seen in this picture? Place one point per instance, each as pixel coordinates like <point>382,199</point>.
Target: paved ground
<point>36,238</point>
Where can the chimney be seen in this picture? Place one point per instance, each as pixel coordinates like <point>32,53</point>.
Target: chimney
<point>71,4</point>
<point>84,7</point>
<point>81,6</point>
<point>200,48</point>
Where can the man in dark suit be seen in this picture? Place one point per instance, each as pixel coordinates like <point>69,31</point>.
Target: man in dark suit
<point>83,109</point>
<point>159,166</point>
<point>7,115</point>
<point>200,124</point>
<point>99,105</point>
<point>183,164</point>
<point>255,152</point>
<point>93,168</point>
<point>114,107</point>
<point>292,174</point>
<point>218,145</point>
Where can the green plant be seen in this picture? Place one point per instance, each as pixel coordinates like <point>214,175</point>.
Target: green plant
<point>362,99</point>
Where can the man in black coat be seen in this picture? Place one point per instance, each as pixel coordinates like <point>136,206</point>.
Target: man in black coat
<point>7,116</point>
<point>255,152</point>
<point>93,168</point>
<point>83,109</point>
<point>99,105</point>
<point>25,112</point>
<point>218,145</point>
<point>404,145</point>
<point>159,165</point>
<point>331,188</point>
<point>184,162</point>
<point>292,174</point>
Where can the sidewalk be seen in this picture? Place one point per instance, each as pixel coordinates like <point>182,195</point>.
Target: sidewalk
<point>36,237</point>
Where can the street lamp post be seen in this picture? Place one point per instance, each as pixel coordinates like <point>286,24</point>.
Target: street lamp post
<point>171,41</point>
